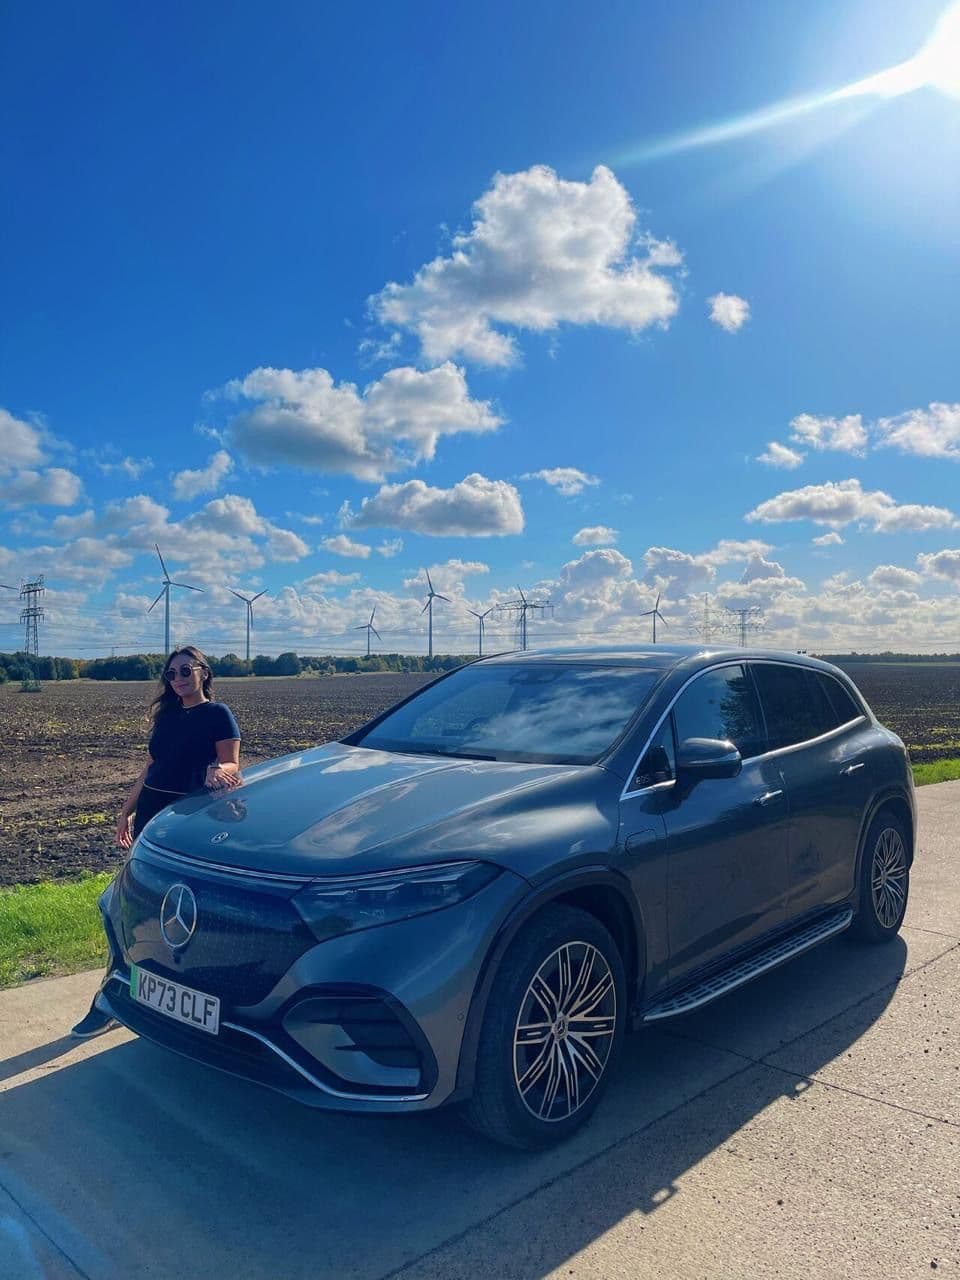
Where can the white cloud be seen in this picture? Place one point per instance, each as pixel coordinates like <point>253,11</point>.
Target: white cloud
<point>341,545</point>
<point>91,561</point>
<point>476,507</point>
<point>842,502</point>
<point>845,435</point>
<point>831,539</point>
<point>190,484</point>
<point>758,568</point>
<point>595,536</point>
<point>305,420</point>
<point>284,545</point>
<point>447,577</point>
<point>131,467</point>
<point>933,432</point>
<point>23,444</point>
<point>54,487</point>
<point>390,547</point>
<point>566,480</point>
<point>231,514</point>
<point>541,252</point>
<point>941,564</point>
<point>897,579</point>
<point>331,578</point>
<point>779,455</point>
<point>595,568</point>
<point>732,550</point>
<point>677,570</point>
<point>729,311</point>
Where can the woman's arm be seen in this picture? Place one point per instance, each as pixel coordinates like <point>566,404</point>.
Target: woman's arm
<point>124,837</point>
<point>225,774</point>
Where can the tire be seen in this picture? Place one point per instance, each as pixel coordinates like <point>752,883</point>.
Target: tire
<point>534,1089</point>
<point>884,880</point>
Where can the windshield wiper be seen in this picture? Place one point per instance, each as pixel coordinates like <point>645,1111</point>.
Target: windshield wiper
<point>440,751</point>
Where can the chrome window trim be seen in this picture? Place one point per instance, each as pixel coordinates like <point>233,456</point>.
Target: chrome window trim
<point>627,793</point>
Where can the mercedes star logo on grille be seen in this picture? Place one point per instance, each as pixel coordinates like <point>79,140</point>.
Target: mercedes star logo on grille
<point>178,916</point>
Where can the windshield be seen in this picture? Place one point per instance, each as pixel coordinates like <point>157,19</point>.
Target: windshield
<point>548,713</point>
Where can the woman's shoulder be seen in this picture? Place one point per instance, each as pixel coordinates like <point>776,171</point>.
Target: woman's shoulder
<point>220,713</point>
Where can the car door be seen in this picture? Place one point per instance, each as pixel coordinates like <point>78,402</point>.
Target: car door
<point>820,738</point>
<point>726,838</point>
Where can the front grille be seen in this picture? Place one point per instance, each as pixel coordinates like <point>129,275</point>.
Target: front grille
<point>245,941</point>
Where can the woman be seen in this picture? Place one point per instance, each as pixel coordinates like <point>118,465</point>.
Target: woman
<point>195,743</point>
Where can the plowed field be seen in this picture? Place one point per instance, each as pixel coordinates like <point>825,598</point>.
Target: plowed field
<point>69,753</point>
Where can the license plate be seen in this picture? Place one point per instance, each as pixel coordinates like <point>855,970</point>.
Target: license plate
<point>183,1004</point>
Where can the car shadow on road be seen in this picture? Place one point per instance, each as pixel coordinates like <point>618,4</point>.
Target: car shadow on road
<point>140,1162</point>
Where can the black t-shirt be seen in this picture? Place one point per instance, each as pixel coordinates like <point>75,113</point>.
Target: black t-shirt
<point>184,742</point>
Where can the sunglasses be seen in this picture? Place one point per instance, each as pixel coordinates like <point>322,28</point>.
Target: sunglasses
<point>183,671</point>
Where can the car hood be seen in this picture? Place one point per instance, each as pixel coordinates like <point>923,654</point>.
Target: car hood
<point>338,810</point>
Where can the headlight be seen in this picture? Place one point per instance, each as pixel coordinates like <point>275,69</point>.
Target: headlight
<point>362,902</point>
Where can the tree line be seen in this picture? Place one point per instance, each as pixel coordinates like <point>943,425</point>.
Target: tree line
<point>148,666</point>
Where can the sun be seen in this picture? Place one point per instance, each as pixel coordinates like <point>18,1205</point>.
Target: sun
<point>937,65</point>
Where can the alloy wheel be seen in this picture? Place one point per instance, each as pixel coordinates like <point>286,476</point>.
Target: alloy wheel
<point>889,877</point>
<point>564,1032</point>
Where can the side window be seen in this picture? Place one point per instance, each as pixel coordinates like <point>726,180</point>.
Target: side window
<point>720,704</point>
<point>659,763</point>
<point>841,699</point>
<point>794,702</point>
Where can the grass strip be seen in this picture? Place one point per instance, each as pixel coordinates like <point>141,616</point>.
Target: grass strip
<point>51,928</point>
<point>937,771</point>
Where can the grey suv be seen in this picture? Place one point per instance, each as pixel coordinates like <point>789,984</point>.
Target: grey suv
<point>473,897</point>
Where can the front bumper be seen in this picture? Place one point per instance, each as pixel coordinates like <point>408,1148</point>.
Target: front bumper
<point>367,1021</point>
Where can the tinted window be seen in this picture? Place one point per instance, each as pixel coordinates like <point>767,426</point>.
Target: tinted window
<point>794,703</point>
<point>549,712</point>
<point>720,704</point>
<point>659,760</point>
<point>841,699</point>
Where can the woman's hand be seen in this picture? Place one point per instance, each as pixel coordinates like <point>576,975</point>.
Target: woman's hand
<point>222,777</point>
<point>124,837</point>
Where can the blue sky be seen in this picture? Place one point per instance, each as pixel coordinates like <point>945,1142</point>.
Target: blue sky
<point>319,297</point>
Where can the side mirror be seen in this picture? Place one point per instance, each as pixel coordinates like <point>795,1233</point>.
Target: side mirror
<point>708,758</point>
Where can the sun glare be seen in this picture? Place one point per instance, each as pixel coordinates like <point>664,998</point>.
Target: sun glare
<point>936,65</point>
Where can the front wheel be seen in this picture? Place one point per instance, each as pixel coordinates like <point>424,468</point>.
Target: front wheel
<point>884,880</point>
<point>552,1030</point>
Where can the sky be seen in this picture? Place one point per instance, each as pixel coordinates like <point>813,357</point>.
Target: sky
<point>605,303</point>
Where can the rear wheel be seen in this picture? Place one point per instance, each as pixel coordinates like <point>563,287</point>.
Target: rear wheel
<point>884,880</point>
<point>552,1030</point>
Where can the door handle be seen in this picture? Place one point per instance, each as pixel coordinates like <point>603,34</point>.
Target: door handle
<point>766,798</point>
<point>640,839</point>
<point>851,768</point>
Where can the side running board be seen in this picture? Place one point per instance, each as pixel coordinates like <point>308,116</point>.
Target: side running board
<point>718,984</point>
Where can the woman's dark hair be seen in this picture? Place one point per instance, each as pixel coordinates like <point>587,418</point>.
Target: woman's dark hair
<point>166,700</point>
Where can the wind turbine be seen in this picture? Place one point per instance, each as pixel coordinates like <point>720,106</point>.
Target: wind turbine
<point>481,616</point>
<point>248,601</point>
<point>368,627</point>
<point>433,595</point>
<point>655,614</point>
<point>168,582</point>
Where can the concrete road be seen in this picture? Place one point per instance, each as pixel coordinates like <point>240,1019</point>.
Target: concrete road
<point>807,1126</point>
